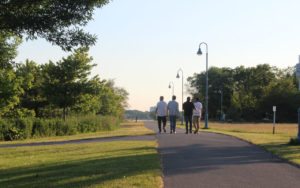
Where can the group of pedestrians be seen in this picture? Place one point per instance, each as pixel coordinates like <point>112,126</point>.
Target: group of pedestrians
<point>192,114</point>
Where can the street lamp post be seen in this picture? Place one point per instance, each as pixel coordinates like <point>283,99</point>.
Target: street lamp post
<point>221,92</point>
<point>171,83</point>
<point>298,76</point>
<point>177,76</point>
<point>206,87</point>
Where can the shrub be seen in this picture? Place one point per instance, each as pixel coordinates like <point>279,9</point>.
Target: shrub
<point>294,141</point>
<point>22,128</point>
<point>65,127</point>
<point>43,127</point>
<point>110,123</point>
<point>12,134</point>
<point>4,127</point>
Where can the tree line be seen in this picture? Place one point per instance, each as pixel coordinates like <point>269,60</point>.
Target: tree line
<point>36,98</point>
<point>55,89</point>
<point>248,94</point>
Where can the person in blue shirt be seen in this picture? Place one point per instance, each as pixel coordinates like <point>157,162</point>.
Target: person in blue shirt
<point>173,111</point>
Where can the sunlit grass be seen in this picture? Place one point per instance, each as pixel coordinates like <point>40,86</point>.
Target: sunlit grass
<point>261,134</point>
<point>123,164</point>
<point>111,164</point>
<point>126,129</point>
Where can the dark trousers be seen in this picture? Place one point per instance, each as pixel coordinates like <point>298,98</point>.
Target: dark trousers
<point>163,120</point>
<point>172,123</point>
<point>188,121</point>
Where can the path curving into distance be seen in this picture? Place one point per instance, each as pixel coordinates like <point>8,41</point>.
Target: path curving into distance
<point>210,160</point>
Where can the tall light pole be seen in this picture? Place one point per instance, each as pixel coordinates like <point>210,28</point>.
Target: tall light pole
<point>298,76</point>
<point>171,83</point>
<point>177,76</point>
<point>206,87</point>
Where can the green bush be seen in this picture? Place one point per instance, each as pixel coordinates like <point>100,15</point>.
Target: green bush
<point>43,127</point>
<point>65,127</point>
<point>12,134</point>
<point>23,128</point>
<point>109,123</point>
<point>4,127</point>
<point>294,141</point>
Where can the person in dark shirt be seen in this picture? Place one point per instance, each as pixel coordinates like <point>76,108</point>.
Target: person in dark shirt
<point>188,108</point>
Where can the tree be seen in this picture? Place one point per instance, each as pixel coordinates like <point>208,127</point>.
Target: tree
<point>10,90</point>
<point>31,76</point>
<point>113,99</point>
<point>243,90</point>
<point>66,80</point>
<point>58,21</point>
<point>8,49</point>
<point>90,102</point>
<point>220,79</point>
<point>10,87</point>
<point>283,94</point>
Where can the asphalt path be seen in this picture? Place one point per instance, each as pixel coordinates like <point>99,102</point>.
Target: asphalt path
<point>220,161</point>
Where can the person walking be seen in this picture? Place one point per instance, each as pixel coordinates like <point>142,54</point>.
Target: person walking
<point>197,114</point>
<point>188,108</point>
<point>161,113</point>
<point>173,111</point>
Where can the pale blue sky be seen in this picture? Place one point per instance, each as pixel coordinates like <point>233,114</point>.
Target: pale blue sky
<point>141,44</point>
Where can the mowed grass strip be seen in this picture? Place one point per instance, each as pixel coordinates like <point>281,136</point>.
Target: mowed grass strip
<point>261,134</point>
<point>126,129</point>
<point>109,164</point>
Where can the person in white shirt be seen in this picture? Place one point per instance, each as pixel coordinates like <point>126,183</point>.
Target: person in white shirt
<point>173,113</point>
<point>161,113</point>
<point>197,115</point>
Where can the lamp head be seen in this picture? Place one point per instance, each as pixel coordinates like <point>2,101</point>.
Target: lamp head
<point>177,76</point>
<point>199,51</point>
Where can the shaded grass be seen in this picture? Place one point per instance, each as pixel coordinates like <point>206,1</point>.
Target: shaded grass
<point>261,134</point>
<point>126,129</point>
<point>109,164</point>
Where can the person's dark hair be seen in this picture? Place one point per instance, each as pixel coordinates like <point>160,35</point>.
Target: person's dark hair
<point>197,98</point>
<point>173,97</point>
<point>161,98</point>
<point>188,99</point>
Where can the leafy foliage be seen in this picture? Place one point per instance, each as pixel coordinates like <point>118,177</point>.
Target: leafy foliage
<point>249,93</point>
<point>23,128</point>
<point>58,21</point>
<point>66,80</point>
<point>10,89</point>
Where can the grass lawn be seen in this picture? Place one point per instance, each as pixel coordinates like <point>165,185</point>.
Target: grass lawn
<point>108,164</point>
<point>261,134</point>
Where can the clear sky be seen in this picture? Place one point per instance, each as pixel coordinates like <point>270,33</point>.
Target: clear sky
<point>141,44</point>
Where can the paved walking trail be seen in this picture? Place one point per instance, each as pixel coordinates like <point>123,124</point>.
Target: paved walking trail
<point>209,160</point>
<point>217,161</point>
